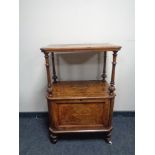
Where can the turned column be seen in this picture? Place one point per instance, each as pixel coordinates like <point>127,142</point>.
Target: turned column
<point>48,73</point>
<point>112,83</point>
<point>54,77</point>
<point>104,67</point>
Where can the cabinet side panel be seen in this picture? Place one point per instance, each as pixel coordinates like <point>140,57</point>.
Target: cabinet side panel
<point>111,110</point>
<point>53,114</point>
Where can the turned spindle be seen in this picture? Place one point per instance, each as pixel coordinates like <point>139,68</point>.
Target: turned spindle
<point>112,83</point>
<point>104,67</point>
<point>48,73</point>
<point>54,77</point>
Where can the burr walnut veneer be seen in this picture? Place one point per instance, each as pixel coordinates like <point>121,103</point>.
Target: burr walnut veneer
<point>80,106</point>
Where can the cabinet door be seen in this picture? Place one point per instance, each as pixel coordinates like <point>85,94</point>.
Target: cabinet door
<point>86,115</point>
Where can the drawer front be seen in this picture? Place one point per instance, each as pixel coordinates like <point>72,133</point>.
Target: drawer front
<point>73,115</point>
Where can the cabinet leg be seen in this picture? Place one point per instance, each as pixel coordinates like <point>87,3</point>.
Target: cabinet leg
<point>53,138</point>
<point>108,137</point>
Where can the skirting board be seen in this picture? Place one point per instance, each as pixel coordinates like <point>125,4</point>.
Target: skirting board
<point>45,114</point>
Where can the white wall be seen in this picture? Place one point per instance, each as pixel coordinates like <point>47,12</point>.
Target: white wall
<point>43,22</point>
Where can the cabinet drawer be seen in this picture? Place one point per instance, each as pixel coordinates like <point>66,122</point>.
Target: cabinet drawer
<point>84,114</point>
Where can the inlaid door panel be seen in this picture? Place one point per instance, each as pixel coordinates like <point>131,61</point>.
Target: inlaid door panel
<point>84,114</point>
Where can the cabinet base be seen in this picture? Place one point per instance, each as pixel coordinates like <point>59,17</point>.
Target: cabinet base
<point>54,134</point>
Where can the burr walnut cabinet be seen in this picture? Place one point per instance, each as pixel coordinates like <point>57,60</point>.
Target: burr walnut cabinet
<point>80,106</point>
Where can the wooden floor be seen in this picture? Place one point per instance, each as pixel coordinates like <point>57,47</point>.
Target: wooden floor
<point>80,89</point>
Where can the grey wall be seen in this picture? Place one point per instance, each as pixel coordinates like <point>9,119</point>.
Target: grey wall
<point>43,22</point>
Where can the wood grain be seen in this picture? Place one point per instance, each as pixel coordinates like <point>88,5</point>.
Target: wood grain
<point>79,90</point>
<point>85,115</point>
<point>73,113</point>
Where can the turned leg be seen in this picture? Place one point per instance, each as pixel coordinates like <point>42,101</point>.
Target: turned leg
<point>108,137</point>
<point>53,138</point>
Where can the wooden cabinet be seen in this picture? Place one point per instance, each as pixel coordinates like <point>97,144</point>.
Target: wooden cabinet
<point>80,106</point>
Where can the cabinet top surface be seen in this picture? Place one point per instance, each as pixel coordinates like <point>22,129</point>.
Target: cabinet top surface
<point>80,47</point>
<point>80,89</point>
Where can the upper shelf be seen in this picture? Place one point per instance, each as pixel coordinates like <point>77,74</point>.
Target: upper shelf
<point>81,47</point>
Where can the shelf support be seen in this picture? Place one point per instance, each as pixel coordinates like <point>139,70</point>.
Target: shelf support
<point>48,73</point>
<point>104,66</point>
<point>112,83</point>
<point>54,77</point>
